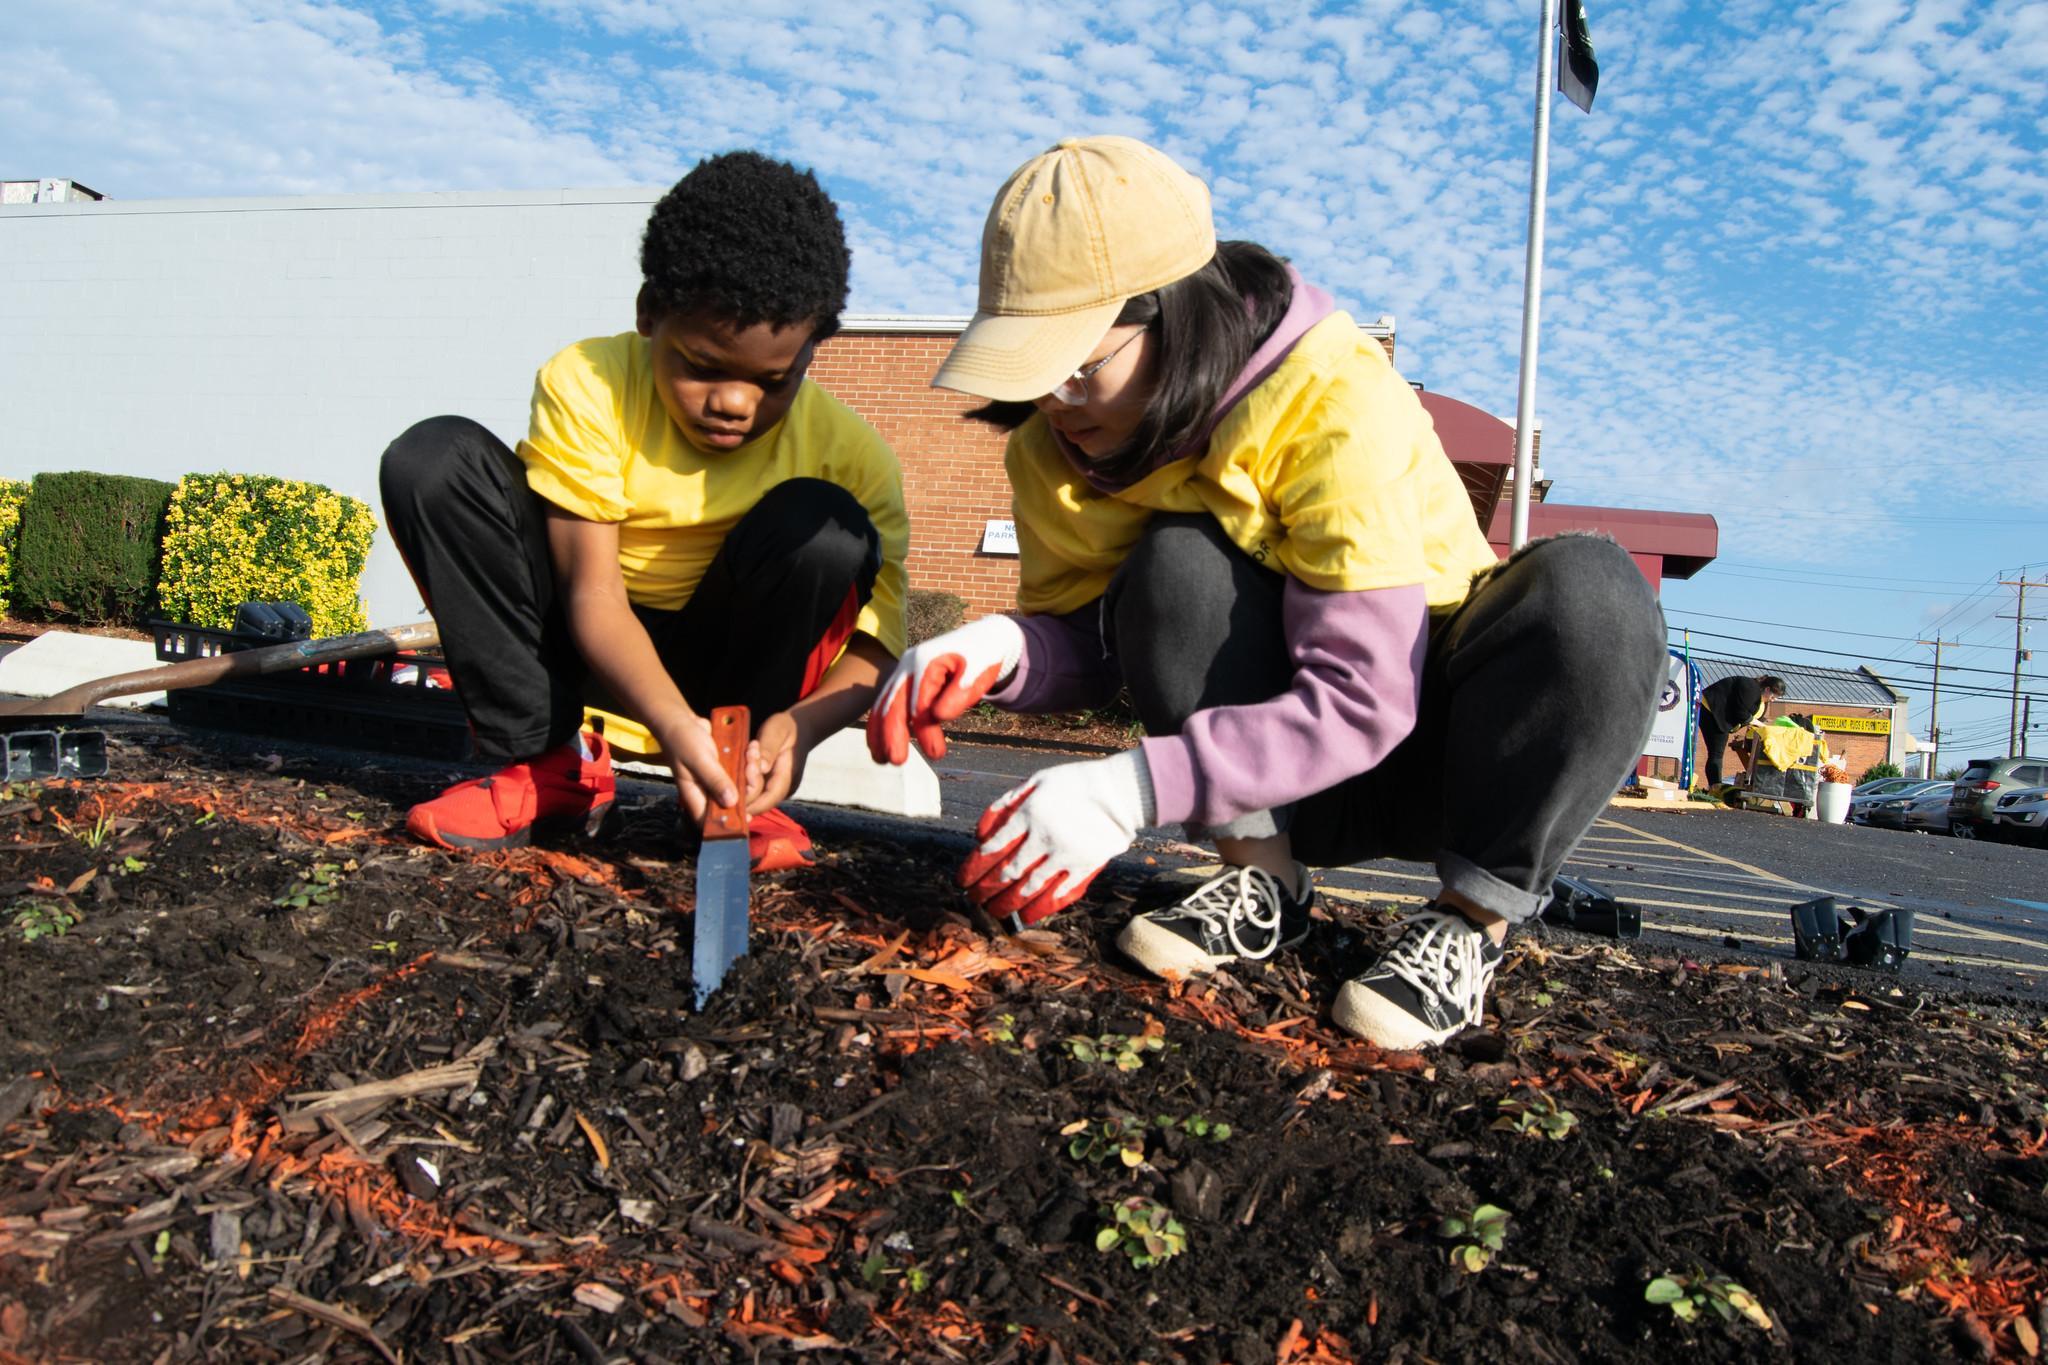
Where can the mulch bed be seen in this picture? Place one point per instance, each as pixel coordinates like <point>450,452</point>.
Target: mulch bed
<point>276,1085</point>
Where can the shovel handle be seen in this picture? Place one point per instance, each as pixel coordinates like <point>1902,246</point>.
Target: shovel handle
<point>730,730</point>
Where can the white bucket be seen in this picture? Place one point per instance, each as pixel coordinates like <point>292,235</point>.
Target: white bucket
<point>1834,801</point>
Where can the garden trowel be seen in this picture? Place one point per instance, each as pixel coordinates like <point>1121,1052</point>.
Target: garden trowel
<point>722,864</point>
<point>69,705</point>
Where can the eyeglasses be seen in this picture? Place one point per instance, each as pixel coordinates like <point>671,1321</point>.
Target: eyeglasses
<point>1073,390</point>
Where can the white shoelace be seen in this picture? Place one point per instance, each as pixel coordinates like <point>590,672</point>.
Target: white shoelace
<point>1442,955</point>
<point>1243,895</point>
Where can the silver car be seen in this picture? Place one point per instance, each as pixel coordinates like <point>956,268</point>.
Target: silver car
<point>1926,809</point>
<point>2021,817</point>
<point>1890,789</point>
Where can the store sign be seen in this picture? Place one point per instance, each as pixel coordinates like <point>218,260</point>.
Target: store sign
<point>1856,725</point>
<point>999,538</point>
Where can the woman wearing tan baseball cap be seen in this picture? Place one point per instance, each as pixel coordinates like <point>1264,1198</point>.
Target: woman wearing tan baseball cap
<point>1228,501</point>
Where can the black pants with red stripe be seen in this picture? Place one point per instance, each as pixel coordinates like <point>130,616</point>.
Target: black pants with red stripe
<point>773,608</point>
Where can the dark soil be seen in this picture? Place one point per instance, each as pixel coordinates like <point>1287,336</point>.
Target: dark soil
<point>287,1087</point>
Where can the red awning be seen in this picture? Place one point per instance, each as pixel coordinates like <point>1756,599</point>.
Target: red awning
<point>1480,445</point>
<point>1687,541</point>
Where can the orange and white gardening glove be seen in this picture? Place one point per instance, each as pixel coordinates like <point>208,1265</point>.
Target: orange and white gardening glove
<point>1042,843</point>
<point>938,681</point>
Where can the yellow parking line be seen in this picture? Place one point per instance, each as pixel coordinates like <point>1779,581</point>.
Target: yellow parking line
<point>1701,853</point>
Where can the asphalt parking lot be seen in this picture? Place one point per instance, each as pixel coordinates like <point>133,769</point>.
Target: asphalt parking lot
<point>1705,877</point>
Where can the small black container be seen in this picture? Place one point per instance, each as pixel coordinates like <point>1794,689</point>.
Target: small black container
<point>1880,938</point>
<point>1817,930</point>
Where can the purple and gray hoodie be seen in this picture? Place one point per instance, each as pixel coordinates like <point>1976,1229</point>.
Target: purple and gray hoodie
<point>1357,659</point>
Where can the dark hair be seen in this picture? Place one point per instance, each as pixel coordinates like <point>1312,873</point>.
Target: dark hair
<point>1206,327</point>
<point>1771,682</point>
<point>751,239</point>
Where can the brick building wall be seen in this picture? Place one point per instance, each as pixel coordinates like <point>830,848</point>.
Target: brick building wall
<point>953,476</point>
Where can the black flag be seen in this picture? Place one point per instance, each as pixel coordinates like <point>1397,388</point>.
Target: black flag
<point>1578,74</point>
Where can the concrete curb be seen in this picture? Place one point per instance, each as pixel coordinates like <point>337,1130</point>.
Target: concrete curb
<point>61,659</point>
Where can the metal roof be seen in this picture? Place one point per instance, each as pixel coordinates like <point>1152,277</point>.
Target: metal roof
<point>1806,683</point>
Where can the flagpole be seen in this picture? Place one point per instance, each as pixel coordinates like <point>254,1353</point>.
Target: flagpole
<point>1532,285</point>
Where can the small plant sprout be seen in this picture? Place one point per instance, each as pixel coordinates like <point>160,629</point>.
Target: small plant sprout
<point>1196,1126</point>
<point>1104,1139</point>
<point>1690,1296</point>
<point>1001,1029</point>
<point>131,863</point>
<point>94,835</point>
<point>1144,1229</point>
<point>1125,1052</point>
<point>1487,1227</point>
<point>34,920</point>
<point>1537,1114</point>
<point>319,886</point>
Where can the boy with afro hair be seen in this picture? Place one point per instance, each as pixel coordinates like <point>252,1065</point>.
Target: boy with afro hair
<point>689,523</point>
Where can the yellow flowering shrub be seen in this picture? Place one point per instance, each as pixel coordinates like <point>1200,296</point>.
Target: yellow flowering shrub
<point>13,492</point>
<point>232,538</point>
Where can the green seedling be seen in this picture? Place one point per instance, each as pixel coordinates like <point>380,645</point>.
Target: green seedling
<point>1106,1139</point>
<point>319,886</point>
<point>34,920</point>
<point>1691,1296</point>
<point>1196,1126</point>
<point>1002,1029</point>
<point>94,835</point>
<point>131,863</point>
<point>1122,1051</point>
<point>876,1272</point>
<point>203,821</point>
<point>388,945</point>
<point>1487,1226</point>
<point>1145,1230</point>
<point>1536,1115</point>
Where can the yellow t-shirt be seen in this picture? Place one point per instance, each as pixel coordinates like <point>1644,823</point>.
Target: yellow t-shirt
<point>601,446</point>
<point>1330,470</point>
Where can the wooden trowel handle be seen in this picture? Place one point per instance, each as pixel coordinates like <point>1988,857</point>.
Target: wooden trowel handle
<point>241,664</point>
<point>729,731</point>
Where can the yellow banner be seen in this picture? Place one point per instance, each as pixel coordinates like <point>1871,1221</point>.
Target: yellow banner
<point>1856,725</point>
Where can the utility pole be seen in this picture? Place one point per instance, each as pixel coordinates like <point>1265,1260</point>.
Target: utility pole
<point>2014,734</point>
<point>1934,712</point>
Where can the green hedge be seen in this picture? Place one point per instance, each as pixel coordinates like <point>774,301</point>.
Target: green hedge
<point>13,492</point>
<point>89,547</point>
<point>232,538</point>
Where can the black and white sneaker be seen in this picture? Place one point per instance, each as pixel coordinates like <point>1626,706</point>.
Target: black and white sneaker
<point>1245,915</point>
<point>1430,986</point>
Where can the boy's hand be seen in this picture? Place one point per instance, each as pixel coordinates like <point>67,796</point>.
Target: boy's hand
<point>693,753</point>
<point>936,682</point>
<point>775,762</point>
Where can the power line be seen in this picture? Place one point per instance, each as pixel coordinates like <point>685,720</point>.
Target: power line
<point>1915,684</point>
<point>1787,625</point>
<point>1839,653</point>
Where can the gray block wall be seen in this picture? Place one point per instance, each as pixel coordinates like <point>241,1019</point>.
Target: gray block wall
<point>295,336</point>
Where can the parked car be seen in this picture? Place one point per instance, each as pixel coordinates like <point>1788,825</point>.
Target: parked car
<point>1927,810</point>
<point>2021,817</point>
<point>1976,793</point>
<point>1878,786</point>
<point>1889,789</point>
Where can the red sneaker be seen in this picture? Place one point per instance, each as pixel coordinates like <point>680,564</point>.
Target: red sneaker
<point>776,843</point>
<point>559,788</point>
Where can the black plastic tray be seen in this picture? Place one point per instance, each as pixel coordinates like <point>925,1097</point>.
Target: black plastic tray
<point>354,704</point>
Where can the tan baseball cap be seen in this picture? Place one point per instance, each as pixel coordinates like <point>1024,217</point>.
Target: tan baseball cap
<point>1076,231</point>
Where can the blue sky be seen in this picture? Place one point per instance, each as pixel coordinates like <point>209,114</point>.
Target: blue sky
<point>1795,266</point>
